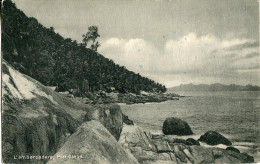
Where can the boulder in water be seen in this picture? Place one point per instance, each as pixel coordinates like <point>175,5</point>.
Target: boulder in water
<point>176,126</point>
<point>214,138</point>
<point>191,141</point>
<point>233,149</point>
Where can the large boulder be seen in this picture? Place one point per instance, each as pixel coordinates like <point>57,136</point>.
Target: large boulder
<point>214,138</point>
<point>176,126</point>
<point>92,143</point>
<point>141,145</point>
<point>109,115</point>
<point>127,121</point>
<point>135,136</point>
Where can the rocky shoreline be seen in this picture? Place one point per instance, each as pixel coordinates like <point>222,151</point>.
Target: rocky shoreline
<point>102,97</point>
<point>152,148</point>
<point>97,144</point>
<point>146,98</point>
<point>39,122</point>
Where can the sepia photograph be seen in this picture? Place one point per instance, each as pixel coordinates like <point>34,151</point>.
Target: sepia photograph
<point>130,81</point>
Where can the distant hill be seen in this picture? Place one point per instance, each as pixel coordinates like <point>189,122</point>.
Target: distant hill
<point>46,56</point>
<point>213,88</point>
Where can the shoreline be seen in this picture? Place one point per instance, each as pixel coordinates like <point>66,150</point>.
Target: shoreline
<point>102,97</point>
<point>250,147</point>
<point>244,145</point>
<point>172,148</point>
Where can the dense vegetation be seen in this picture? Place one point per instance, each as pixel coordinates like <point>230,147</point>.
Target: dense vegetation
<point>45,55</point>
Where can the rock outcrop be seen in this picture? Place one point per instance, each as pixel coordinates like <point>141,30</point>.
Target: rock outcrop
<point>149,149</point>
<point>145,97</point>
<point>214,138</point>
<point>92,143</point>
<point>139,142</point>
<point>176,126</point>
<point>36,119</point>
<point>109,115</point>
<point>135,136</point>
<point>127,121</point>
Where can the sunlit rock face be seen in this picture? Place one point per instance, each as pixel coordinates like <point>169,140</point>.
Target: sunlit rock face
<point>36,120</point>
<point>92,143</point>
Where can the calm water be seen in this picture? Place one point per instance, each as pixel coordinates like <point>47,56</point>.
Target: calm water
<point>236,115</point>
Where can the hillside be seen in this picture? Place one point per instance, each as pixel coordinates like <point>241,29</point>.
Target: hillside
<point>46,56</point>
<point>213,88</point>
<point>37,121</point>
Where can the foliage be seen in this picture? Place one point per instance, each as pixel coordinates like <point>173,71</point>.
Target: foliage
<point>91,35</point>
<point>43,54</point>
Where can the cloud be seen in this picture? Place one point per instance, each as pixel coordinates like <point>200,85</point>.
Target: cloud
<point>211,55</point>
<point>136,54</point>
<point>206,56</point>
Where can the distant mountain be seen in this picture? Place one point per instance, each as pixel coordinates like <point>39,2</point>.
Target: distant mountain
<point>46,56</point>
<point>213,88</point>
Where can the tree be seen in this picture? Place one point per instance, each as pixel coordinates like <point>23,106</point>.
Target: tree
<point>52,28</point>
<point>95,46</point>
<point>91,35</point>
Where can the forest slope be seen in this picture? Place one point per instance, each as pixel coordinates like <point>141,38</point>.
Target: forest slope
<point>46,56</point>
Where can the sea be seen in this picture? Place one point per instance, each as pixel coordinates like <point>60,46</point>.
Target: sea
<point>234,114</point>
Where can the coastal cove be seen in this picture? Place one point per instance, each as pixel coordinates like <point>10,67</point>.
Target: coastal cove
<point>91,82</point>
<point>99,132</point>
<point>236,115</point>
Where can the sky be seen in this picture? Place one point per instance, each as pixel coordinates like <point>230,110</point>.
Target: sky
<point>172,42</point>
